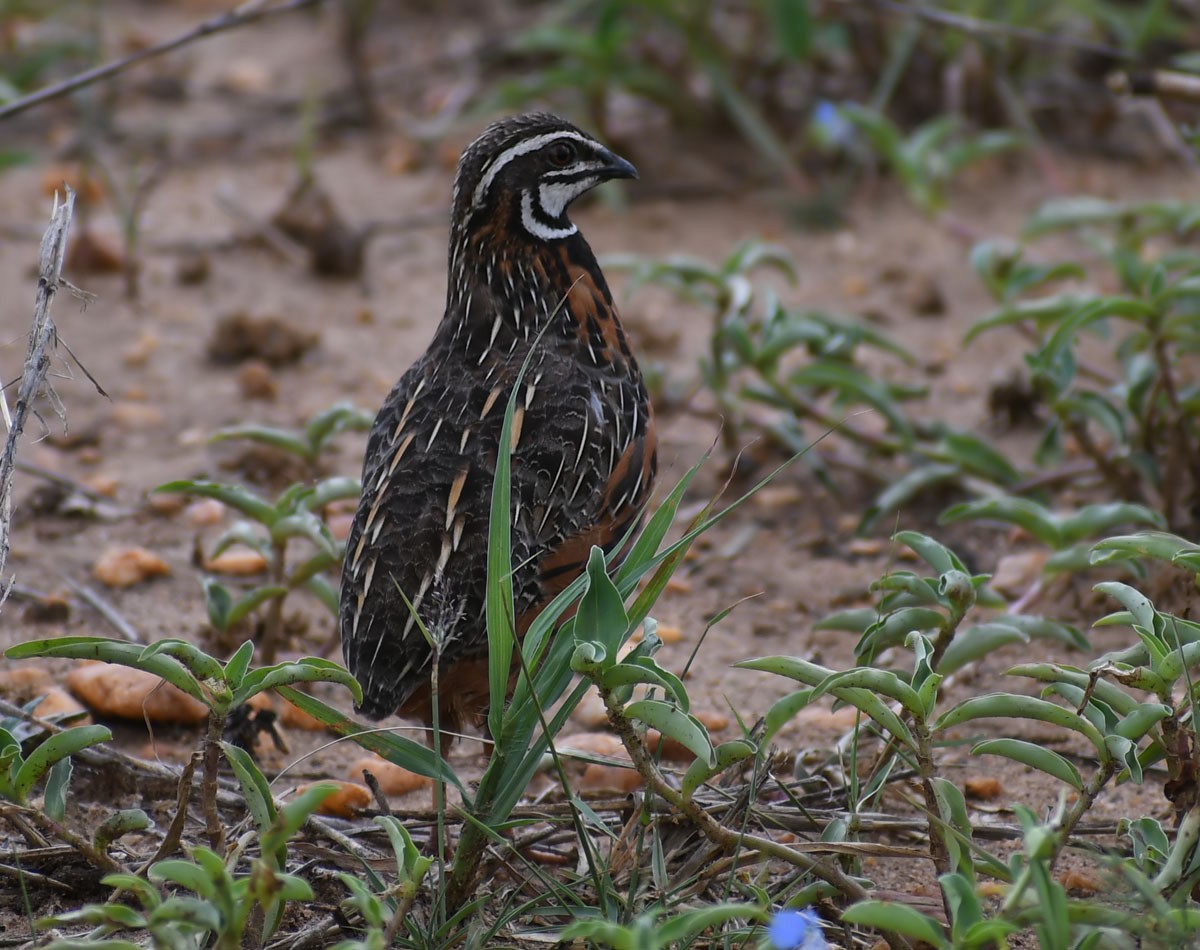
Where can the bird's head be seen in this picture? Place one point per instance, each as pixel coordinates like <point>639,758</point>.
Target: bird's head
<point>523,173</point>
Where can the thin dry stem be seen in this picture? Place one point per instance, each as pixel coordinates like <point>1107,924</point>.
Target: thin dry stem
<point>250,12</point>
<point>42,340</point>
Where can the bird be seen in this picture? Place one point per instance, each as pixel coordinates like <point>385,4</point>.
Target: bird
<point>522,284</point>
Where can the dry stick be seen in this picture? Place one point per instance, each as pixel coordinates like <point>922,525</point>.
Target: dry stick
<point>104,609</point>
<point>250,12</point>
<point>42,339</point>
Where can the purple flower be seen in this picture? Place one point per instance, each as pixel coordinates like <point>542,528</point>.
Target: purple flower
<point>796,930</point>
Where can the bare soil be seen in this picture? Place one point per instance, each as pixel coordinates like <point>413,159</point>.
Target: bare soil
<point>786,559</point>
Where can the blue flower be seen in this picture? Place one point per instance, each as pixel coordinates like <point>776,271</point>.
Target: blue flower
<point>796,930</point>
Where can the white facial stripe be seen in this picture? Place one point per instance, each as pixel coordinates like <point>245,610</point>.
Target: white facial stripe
<point>523,147</point>
<point>555,197</point>
<point>536,227</point>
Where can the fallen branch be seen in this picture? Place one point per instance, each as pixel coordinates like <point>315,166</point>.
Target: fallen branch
<point>252,11</point>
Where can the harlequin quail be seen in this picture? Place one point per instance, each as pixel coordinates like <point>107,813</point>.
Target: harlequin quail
<point>521,279</point>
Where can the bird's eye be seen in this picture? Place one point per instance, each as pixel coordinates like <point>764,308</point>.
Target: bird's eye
<point>562,154</point>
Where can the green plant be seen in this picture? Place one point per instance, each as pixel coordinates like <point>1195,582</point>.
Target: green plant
<point>665,52</point>
<point>212,904</point>
<point>650,931</point>
<point>309,442</point>
<point>268,529</point>
<point>271,525</point>
<point>1134,424</point>
<point>931,156</point>
<point>220,687</point>
<point>1102,705</point>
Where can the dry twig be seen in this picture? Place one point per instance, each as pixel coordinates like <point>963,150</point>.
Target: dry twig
<point>42,340</point>
<point>251,11</point>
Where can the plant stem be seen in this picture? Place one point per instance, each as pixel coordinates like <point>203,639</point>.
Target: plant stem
<point>709,827</point>
<point>273,624</point>
<point>208,786</point>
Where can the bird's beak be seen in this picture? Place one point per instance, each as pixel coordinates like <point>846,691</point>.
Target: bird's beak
<point>617,167</point>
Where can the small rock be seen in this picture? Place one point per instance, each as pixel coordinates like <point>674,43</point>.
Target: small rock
<point>590,712</point>
<point>1082,881</point>
<point>104,485</point>
<point>193,268</point>
<point>144,347</point>
<point>92,253</point>
<point>392,778</point>
<point>203,513</point>
<point>296,718</point>
<point>246,77</point>
<point>22,683</point>
<point>1016,573</point>
<point>865,547</point>
<point>57,702</point>
<point>823,718</point>
<point>609,778</point>
<point>124,567</point>
<point>165,504</point>
<point>924,297</point>
<point>668,633</point>
<point>137,415</point>
<point>854,286</point>
<point>122,692</point>
<point>257,381</point>
<point>239,336</point>
<point>53,608</point>
<point>593,743</point>
<point>983,789</point>
<point>88,190</point>
<point>713,721</point>
<point>349,799</point>
<point>237,562</point>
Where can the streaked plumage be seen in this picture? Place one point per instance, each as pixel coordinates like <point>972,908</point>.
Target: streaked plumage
<point>584,445</point>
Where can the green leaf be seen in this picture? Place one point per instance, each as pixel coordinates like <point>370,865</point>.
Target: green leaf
<point>187,874</point>
<point>252,601</point>
<point>121,652</point>
<point>309,669</point>
<point>239,499</point>
<point>202,666</point>
<point>219,601</point>
<point>791,27</point>
<point>601,617</point>
<point>397,749</point>
<point>897,918</point>
<point>236,665</point>
<point>282,439</point>
<point>1035,756</point>
<point>973,643</point>
<point>118,824</point>
<point>1012,706</point>
<point>255,788</point>
<point>58,780</point>
<point>52,750</point>
<point>811,674</point>
<point>675,724</point>
<point>642,670</point>
<point>724,755</point>
<point>876,681</point>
